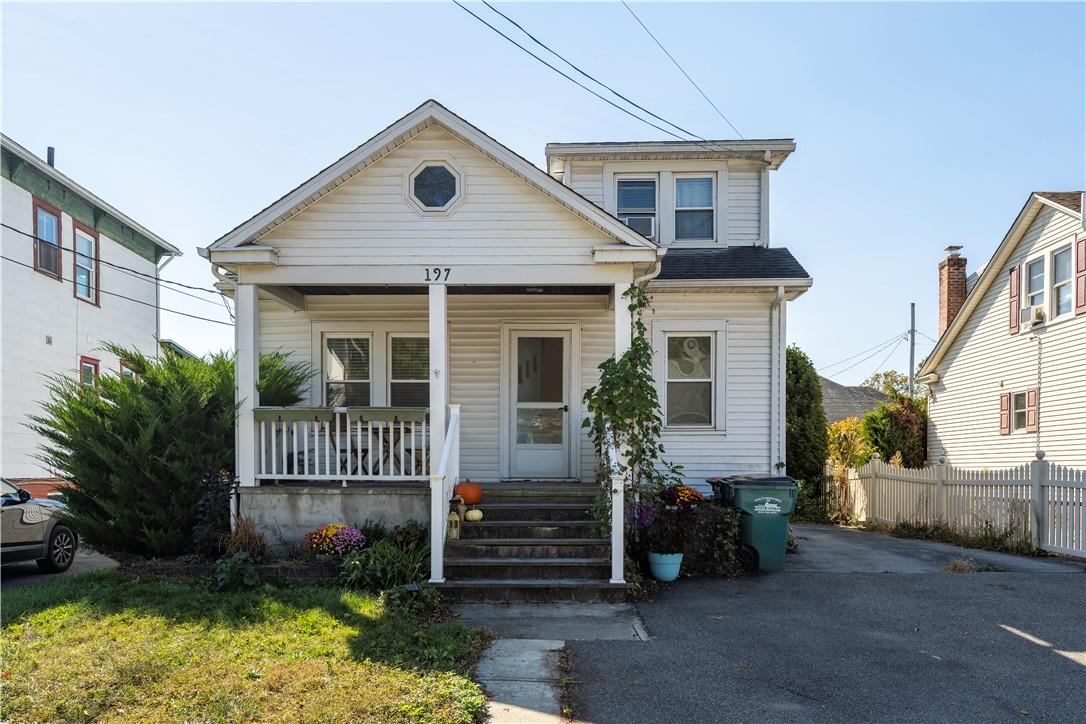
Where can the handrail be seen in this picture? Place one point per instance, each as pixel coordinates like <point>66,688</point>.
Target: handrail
<point>299,413</point>
<point>442,480</point>
<point>617,480</point>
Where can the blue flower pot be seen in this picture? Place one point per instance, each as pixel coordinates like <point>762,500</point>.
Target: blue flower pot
<point>665,566</point>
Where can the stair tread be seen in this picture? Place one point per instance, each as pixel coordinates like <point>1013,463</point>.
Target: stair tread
<point>527,523</point>
<point>529,542</point>
<point>536,505</point>
<point>483,561</point>
<point>532,583</point>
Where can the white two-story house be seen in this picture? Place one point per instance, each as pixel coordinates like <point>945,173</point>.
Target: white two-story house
<point>1006,376</point>
<point>76,273</point>
<point>455,302</point>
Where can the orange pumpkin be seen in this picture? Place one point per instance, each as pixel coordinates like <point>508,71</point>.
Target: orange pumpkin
<point>472,493</point>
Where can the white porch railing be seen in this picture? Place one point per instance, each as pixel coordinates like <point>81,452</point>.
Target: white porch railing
<point>442,481</point>
<point>341,443</point>
<point>1045,503</point>
<point>618,515</point>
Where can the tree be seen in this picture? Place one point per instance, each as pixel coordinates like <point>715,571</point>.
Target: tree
<point>899,427</point>
<point>151,457</point>
<point>894,384</point>
<point>805,419</point>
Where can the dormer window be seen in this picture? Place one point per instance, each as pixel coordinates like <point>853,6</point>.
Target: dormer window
<point>637,205</point>
<point>694,208</point>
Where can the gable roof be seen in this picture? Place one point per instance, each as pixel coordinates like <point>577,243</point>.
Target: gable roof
<point>1066,202</point>
<point>843,401</point>
<point>731,263</point>
<point>51,173</point>
<point>426,115</point>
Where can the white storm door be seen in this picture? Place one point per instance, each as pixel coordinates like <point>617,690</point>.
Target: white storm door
<point>539,400</point>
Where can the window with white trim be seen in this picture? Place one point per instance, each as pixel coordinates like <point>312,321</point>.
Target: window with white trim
<point>85,279</point>
<point>346,371</point>
<point>409,370</point>
<point>128,372</point>
<point>636,205</point>
<point>1018,411</point>
<point>694,208</point>
<point>1035,283</point>
<point>689,376</point>
<point>1063,297</point>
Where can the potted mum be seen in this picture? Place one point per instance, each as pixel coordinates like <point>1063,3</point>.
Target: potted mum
<point>669,530</point>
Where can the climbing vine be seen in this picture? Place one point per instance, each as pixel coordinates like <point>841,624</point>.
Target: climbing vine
<point>626,401</point>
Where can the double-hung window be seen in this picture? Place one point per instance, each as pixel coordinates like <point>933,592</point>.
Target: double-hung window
<point>694,208</point>
<point>1063,300</point>
<point>85,268</point>
<point>1018,411</point>
<point>690,380</point>
<point>346,371</point>
<point>409,365</point>
<point>1035,283</point>
<point>46,239</point>
<point>88,371</point>
<point>637,204</point>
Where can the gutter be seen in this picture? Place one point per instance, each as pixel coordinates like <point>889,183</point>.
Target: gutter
<point>643,280</point>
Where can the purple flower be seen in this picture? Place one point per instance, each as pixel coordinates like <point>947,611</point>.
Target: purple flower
<point>346,540</point>
<point>642,514</point>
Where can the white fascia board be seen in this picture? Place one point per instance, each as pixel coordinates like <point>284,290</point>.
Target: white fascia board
<point>387,140</point>
<point>615,254</point>
<point>244,255</point>
<point>770,283</point>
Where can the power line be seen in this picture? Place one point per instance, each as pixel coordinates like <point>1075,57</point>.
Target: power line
<point>119,266</point>
<point>887,358</point>
<point>595,80</point>
<point>122,296</point>
<point>928,336</point>
<point>682,70</point>
<point>880,346</point>
<point>576,82</point>
<point>900,338</point>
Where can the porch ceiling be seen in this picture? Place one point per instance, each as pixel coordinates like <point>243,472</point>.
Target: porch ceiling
<point>536,290</point>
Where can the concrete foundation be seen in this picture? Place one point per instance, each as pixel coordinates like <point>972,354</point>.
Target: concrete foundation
<point>283,514</point>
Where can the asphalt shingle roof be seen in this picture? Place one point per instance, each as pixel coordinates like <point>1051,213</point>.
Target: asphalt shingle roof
<point>841,401</point>
<point>1068,199</point>
<point>734,262</point>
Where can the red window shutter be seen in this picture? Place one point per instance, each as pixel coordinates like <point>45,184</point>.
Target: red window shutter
<point>1080,276</point>
<point>1016,289</point>
<point>1005,414</point>
<point>1032,398</point>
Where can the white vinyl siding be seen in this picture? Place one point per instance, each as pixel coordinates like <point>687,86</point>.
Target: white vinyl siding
<point>986,361</point>
<point>368,220</point>
<point>744,205</point>
<point>587,180</point>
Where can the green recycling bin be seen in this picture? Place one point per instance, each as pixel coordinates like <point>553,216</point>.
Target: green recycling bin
<point>764,503</point>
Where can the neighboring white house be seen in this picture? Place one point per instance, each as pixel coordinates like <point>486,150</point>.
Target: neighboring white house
<point>455,302</point>
<point>76,273</point>
<point>1007,375</point>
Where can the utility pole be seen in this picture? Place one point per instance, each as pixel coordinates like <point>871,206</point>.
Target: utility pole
<point>912,345</point>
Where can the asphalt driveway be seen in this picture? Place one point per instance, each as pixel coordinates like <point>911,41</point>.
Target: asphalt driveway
<point>28,573</point>
<point>860,627</point>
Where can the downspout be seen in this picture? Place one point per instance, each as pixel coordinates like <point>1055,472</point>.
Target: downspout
<point>644,279</point>
<point>776,331</point>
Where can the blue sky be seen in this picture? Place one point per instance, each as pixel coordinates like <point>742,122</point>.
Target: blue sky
<point>918,125</point>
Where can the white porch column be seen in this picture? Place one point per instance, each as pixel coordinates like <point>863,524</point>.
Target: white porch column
<point>439,500</point>
<point>439,345</point>
<point>247,370</point>
<point>623,339</point>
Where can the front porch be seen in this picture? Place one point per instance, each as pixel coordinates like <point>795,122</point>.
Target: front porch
<point>485,348</point>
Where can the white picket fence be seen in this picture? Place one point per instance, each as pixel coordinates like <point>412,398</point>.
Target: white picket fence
<point>1042,502</point>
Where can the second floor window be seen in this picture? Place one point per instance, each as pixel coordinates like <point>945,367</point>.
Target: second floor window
<point>694,208</point>
<point>1035,283</point>
<point>637,205</point>
<point>86,263</point>
<point>347,371</point>
<point>88,371</point>
<point>1062,296</point>
<point>47,239</point>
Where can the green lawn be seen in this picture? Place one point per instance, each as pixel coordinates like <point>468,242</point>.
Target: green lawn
<point>99,648</point>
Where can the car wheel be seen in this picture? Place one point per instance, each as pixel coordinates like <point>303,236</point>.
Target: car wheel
<point>61,553</point>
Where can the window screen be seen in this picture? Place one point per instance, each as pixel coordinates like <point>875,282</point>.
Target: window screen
<point>409,384</point>
<point>690,380</point>
<point>347,371</point>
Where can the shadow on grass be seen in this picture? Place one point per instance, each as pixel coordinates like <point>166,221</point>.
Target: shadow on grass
<point>374,632</point>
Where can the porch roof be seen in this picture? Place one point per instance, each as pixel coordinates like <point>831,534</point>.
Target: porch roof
<point>732,263</point>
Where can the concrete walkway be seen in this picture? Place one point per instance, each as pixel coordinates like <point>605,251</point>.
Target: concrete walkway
<point>522,670</point>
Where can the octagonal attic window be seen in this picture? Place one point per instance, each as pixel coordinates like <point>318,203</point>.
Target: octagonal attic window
<point>434,186</point>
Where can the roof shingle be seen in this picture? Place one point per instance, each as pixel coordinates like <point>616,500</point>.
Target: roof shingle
<point>734,262</point>
<point>1068,199</point>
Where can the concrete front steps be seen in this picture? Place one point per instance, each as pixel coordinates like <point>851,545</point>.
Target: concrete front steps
<point>538,543</point>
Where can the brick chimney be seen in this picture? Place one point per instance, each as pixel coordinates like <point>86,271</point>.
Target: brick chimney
<point>951,287</point>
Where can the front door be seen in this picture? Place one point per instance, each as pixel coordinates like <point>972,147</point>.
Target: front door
<point>539,414</point>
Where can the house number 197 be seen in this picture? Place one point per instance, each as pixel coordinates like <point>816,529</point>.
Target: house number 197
<point>437,274</point>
